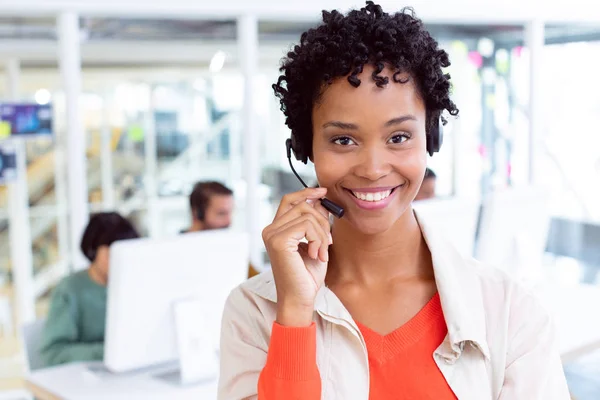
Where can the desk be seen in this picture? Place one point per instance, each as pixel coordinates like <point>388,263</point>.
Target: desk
<point>576,317</point>
<point>90,381</point>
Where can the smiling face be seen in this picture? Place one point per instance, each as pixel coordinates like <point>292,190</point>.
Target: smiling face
<point>369,148</point>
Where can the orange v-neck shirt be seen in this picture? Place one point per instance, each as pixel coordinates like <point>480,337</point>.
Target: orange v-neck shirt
<point>401,364</point>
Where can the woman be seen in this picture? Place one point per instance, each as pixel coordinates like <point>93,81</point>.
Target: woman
<point>74,328</point>
<point>380,307</point>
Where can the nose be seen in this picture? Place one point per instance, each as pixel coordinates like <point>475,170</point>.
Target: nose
<point>373,163</point>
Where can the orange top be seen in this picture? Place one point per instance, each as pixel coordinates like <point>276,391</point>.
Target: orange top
<point>401,364</point>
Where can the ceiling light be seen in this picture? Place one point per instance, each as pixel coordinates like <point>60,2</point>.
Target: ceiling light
<point>485,46</point>
<point>43,96</point>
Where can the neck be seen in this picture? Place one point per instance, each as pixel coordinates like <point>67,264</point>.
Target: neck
<point>398,253</point>
<point>95,275</point>
<point>197,226</point>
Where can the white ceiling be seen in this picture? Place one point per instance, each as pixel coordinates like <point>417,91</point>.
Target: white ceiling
<point>434,11</point>
<point>124,37</point>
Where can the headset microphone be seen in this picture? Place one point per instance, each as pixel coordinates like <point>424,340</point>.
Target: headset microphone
<point>328,204</point>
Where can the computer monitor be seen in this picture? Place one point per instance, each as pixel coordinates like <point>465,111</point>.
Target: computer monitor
<point>147,279</point>
<point>513,229</point>
<point>455,217</point>
<point>26,119</point>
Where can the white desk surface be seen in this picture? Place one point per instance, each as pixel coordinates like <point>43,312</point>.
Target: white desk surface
<point>89,381</point>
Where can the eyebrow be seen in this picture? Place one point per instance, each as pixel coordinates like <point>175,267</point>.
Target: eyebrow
<point>341,125</point>
<point>350,126</point>
<point>399,120</point>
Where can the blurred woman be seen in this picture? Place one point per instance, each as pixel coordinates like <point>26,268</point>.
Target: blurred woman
<point>74,328</point>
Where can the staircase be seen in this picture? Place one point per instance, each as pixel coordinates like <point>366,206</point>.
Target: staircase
<point>44,213</point>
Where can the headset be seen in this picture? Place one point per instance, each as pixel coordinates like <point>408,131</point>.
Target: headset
<point>328,204</point>
<point>434,141</point>
<point>200,214</point>
<point>435,136</point>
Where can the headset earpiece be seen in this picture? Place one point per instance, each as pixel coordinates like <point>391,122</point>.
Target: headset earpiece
<point>297,149</point>
<point>200,215</point>
<point>435,137</point>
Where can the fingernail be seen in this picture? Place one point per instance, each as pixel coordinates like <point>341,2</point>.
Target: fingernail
<point>330,238</point>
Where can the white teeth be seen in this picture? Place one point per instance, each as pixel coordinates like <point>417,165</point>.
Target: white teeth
<point>378,196</point>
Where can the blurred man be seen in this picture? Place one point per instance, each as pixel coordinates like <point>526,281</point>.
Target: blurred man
<point>211,204</point>
<point>427,190</point>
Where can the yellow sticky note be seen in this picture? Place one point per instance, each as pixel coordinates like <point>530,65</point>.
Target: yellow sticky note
<point>4,129</point>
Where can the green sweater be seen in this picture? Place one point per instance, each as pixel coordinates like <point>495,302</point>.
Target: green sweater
<point>74,328</point>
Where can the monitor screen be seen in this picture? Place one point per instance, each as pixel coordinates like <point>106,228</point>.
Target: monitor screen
<point>150,278</point>
<point>26,118</point>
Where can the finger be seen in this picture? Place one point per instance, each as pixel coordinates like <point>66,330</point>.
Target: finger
<point>300,220</point>
<point>290,237</point>
<point>282,223</point>
<point>305,226</point>
<point>313,250</point>
<point>302,246</point>
<point>302,209</point>
<point>318,242</point>
<point>291,199</point>
<point>324,249</point>
<point>305,247</point>
<point>319,207</point>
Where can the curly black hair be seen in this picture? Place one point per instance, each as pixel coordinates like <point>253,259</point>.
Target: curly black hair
<point>342,45</point>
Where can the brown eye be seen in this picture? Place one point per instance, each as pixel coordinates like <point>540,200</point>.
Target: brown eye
<point>343,141</point>
<point>398,139</point>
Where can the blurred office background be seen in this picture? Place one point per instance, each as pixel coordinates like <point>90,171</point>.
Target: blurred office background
<point>149,98</point>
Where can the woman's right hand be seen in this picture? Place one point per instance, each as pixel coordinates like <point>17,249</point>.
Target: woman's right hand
<point>299,268</point>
